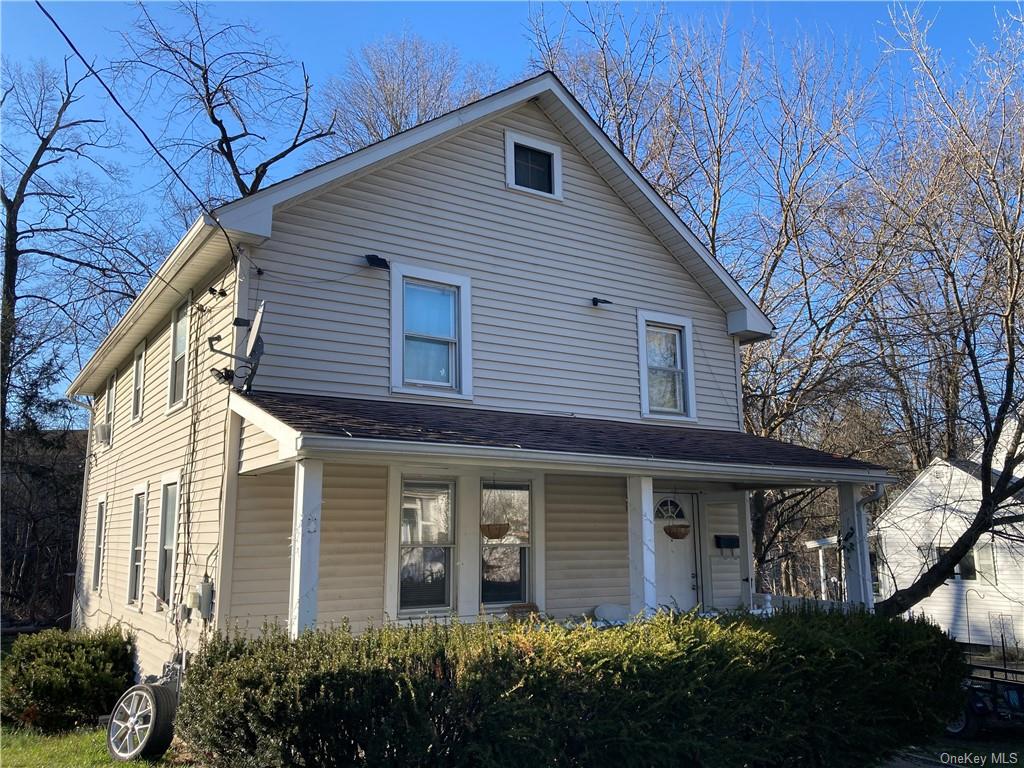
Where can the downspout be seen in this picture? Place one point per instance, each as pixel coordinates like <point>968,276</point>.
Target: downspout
<point>77,615</point>
<point>860,505</point>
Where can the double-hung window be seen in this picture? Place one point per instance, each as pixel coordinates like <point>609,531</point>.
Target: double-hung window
<point>426,541</point>
<point>666,375</point>
<point>430,342</point>
<point>168,536</point>
<point>109,401</point>
<point>179,355</point>
<point>138,374</point>
<point>505,542</point>
<point>97,552</point>
<point>138,547</point>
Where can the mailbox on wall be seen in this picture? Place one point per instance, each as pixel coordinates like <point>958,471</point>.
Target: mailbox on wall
<point>727,541</point>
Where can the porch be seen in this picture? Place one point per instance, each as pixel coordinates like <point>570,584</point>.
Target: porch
<point>326,527</point>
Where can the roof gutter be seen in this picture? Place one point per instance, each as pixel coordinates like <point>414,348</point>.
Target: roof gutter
<point>196,237</point>
<point>314,445</point>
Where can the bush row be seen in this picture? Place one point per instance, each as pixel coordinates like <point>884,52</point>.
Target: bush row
<point>800,688</point>
<point>56,680</point>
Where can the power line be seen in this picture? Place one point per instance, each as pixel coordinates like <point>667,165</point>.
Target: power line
<point>139,128</point>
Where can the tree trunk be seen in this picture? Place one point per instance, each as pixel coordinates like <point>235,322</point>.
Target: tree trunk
<point>7,309</point>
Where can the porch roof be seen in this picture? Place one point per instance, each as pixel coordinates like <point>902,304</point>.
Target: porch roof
<point>360,420</point>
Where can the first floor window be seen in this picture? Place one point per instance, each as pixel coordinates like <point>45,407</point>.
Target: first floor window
<point>168,532</point>
<point>138,547</point>
<point>426,541</point>
<point>505,542</point>
<point>97,555</point>
<point>965,569</point>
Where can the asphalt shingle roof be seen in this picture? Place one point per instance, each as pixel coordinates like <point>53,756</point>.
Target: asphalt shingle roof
<point>442,424</point>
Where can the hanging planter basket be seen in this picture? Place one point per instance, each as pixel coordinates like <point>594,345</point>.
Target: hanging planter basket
<point>677,530</point>
<point>494,530</point>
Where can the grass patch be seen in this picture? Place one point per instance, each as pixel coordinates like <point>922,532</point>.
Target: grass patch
<point>20,748</point>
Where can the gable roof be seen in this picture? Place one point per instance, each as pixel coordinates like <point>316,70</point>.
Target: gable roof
<point>250,219</point>
<point>254,215</point>
<point>354,424</point>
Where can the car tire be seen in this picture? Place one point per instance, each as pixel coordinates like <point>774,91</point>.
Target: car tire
<point>964,726</point>
<point>142,723</point>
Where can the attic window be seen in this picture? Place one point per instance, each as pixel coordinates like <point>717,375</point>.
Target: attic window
<point>533,165</point>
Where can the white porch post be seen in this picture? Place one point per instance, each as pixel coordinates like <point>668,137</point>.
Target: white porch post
<point>643,595</point>
<point>305,546</point>
<point>747,574</point>
<point>853,532</point>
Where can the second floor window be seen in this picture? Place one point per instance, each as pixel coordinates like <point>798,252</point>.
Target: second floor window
<point>138,373</point>
<point>965,569</point>
<point>108,408</point>
<point>431,333</point>
<point>138,547</point>
<point>179,354</point>
<point>666,377</point>
<point>430,344</point>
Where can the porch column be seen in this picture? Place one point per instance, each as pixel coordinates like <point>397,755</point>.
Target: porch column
<point>305,546</point>
<point>643,595</point>
<point>747,571</point>
<point>853,533</point>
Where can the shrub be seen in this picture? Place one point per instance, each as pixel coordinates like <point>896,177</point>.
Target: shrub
<point>56,680</point>
<point>801,688</point>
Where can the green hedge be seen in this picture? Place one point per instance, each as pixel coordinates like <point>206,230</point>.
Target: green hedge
<point>55,680</point>
<point>801,688</point>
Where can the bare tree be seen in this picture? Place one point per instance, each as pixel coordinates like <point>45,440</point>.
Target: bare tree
<point>233,106</point>
<point>74,249</point>
<point>394,84</point>
<point>961,294</point>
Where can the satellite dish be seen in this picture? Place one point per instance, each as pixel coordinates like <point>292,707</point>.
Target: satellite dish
<point>254,330</point>
<point>253,347</point>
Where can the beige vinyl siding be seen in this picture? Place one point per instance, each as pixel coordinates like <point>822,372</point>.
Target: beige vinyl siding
<point>141,453</point>
<point>351,547</point>
<point>535,264</point>
<point>934,511</point>
<point>587,557</point>
<point>257,449</point>
<point>725,566</point>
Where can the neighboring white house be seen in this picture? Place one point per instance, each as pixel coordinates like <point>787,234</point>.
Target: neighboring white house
<point>984,601</point>
<point>496,368</point>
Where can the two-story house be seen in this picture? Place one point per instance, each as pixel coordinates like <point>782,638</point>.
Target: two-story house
<point>496,369</point>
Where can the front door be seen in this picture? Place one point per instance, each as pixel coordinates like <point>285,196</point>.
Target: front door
<point>675,555</point>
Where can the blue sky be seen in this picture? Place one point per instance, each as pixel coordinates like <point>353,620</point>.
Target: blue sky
<point>323,33</point>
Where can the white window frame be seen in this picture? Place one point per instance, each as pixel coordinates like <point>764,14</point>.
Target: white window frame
<point>533,142</point>
<point>684,324</point>
<point>143,491</point>
<point>138,381</point>
<point>463,388</point>
<point>528,591</point>
<point>99,544</point>
<point>453,547</point>
<point>169,478</point>
<point>173,405</point>
<point>466,565</point>
<point>110,408</point>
